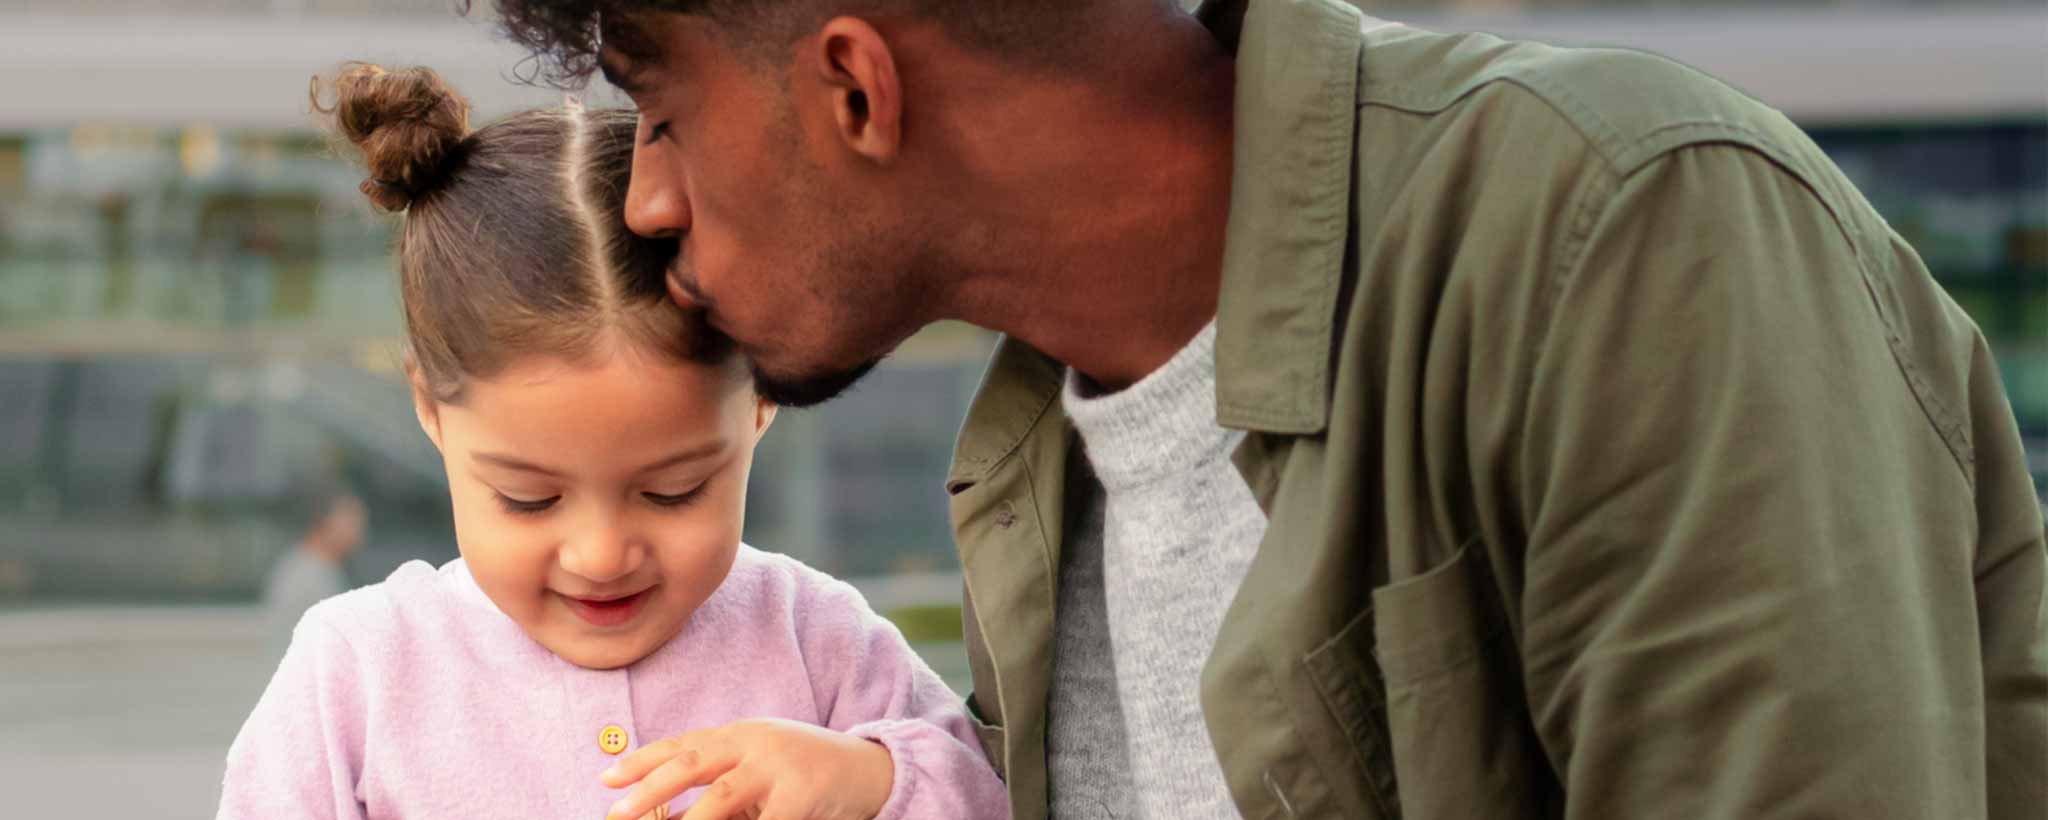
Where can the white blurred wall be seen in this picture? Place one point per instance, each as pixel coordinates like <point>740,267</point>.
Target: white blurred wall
<point>230,72</point>
<point>1852,62</point>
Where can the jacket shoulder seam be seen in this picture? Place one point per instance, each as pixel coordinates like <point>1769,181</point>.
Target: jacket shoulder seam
<point>1946,423</point>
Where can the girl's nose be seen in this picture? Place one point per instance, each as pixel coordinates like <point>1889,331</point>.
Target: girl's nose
<point>602,554</point>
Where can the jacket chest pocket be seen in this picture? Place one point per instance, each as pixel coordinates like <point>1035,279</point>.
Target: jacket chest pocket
<point>1457,716</point>
<point>1425,690</point>
<point>1348,683</point>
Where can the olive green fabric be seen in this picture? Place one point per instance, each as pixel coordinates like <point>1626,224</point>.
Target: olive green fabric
<point>1620,462</point>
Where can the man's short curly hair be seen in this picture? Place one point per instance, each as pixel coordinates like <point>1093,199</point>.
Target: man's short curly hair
<point>563,35</point>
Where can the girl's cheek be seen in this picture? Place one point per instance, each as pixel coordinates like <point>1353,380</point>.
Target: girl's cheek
<point>510,547</point>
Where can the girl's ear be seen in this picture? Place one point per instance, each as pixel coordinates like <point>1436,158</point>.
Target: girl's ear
<point>423,403</point>
<point>764,415</point>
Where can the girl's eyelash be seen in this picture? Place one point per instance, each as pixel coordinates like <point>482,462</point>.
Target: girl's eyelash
<point>679,500</point>
<point>517,506</point>
<point>655,133</point>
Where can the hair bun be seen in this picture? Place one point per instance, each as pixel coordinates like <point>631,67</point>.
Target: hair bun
<point>408,123</point>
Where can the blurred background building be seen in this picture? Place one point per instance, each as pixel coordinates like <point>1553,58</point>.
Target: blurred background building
<point>199,329</point>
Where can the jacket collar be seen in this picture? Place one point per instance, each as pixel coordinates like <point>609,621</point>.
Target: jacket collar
<point>1290,216</point>
<point>1290,208</point>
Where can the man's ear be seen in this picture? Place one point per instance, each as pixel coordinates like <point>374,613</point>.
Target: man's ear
<point>855,64</point>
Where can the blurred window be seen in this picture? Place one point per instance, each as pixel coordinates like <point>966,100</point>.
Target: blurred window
<point>198,334</point>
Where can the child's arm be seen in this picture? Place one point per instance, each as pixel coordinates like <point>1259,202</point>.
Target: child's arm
<point>300,752</point>
<point>871,685</point>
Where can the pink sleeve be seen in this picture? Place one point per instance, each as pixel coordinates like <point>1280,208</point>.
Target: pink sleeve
<point>300,753</point>
<point>870,684</point>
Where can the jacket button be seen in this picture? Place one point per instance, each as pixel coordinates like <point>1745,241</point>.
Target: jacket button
<point>611,739</point>
<point>1005,516</point>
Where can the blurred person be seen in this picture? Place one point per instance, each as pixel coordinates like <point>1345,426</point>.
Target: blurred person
<point>1390,423</point>
<point>597,444</point>
<point>314,569</point>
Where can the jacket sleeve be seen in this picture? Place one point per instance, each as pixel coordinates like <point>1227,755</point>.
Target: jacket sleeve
<point>2012,604</point>
<point>300,752</point>
<point>1751,587</point>
<point>870,684</point>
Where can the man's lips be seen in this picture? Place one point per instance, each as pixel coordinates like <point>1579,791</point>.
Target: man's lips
<point>607,610</point>
<point>684,291</point>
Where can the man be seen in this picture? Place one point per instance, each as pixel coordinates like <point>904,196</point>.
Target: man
<point>1389,423</point>
<point>312,571</point>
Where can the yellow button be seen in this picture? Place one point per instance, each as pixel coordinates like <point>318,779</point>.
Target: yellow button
<point>612,740</point>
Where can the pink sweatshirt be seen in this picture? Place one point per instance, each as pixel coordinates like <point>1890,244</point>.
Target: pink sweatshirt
<point>417,698</point>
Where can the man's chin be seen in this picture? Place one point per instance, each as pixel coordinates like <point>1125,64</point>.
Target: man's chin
<point>809,390</point>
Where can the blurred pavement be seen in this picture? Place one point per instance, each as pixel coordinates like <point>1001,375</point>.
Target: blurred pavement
<point>124,711</point>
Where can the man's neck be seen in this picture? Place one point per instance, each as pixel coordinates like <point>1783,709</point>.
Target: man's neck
<point>1100,239</point>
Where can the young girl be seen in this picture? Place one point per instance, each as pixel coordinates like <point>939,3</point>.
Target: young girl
<point>604,625</point>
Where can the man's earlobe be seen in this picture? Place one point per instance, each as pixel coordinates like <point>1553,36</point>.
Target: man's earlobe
<point>856,65</point>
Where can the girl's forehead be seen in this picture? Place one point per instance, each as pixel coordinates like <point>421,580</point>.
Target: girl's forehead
<point>632,402</point>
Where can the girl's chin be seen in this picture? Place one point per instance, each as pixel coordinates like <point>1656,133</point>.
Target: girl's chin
<point>601,654</point>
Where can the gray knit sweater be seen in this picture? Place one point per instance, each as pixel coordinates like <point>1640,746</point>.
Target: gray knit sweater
<point>1174,528</point>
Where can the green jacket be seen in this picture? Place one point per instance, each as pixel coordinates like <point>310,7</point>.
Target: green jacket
<point>1620,462</point>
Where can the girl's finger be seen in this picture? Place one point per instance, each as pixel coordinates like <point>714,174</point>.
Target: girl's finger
<point>635,764</point>
<point>733,797</point>
<point>687,770</point>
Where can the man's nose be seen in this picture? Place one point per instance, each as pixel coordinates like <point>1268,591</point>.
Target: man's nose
<point>656,206</point>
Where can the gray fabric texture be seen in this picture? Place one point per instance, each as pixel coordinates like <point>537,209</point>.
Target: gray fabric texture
<point>1179,527</point>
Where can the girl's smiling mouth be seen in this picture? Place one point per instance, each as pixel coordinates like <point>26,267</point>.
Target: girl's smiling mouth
<point>607,611</point>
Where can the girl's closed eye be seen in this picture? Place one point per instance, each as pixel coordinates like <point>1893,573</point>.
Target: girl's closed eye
<point>677,499</point>
<point>525,506</point>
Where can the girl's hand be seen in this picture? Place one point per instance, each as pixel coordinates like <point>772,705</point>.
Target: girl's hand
<point>763,769</point>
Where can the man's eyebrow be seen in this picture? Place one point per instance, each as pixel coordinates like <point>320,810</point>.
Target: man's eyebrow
<point>626,52</point>
<point>623,74</point>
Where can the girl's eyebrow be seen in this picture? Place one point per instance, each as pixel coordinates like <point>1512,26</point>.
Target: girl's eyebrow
<point>513,463</point>
<point>696,452</point>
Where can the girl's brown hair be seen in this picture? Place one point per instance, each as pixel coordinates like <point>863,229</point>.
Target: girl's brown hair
<point>514,242</point>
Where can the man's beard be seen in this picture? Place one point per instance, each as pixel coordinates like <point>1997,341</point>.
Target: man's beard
<point>856,255</point>
<point>808,391</point>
